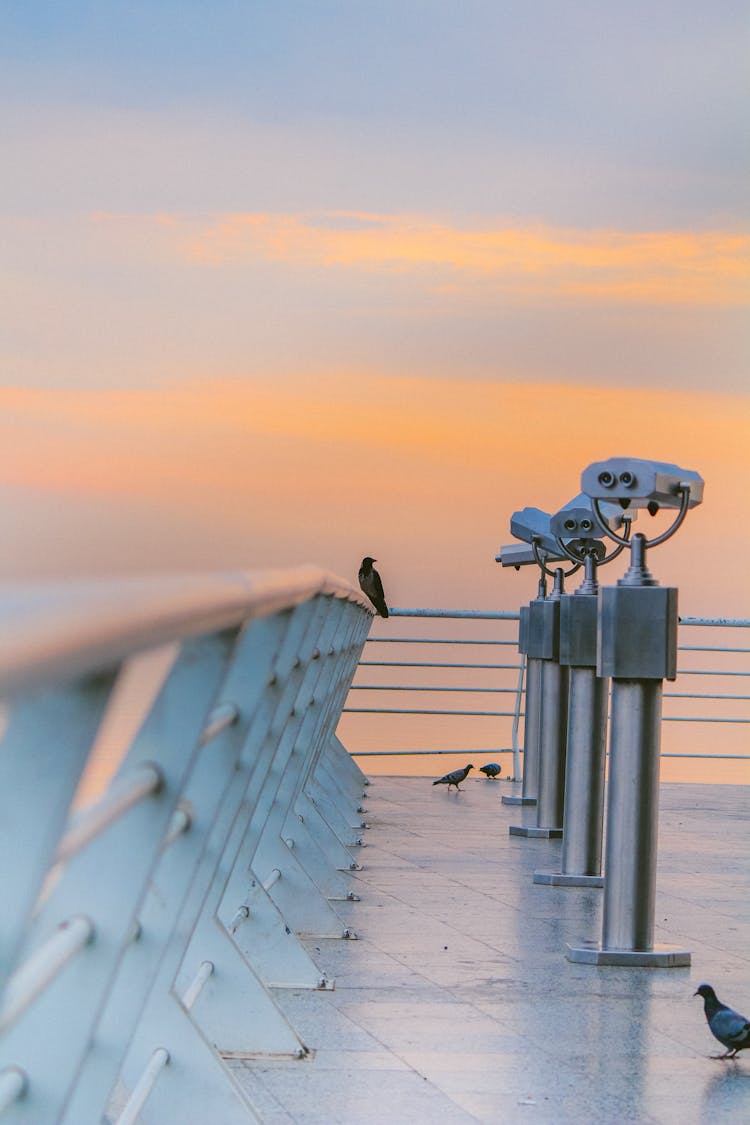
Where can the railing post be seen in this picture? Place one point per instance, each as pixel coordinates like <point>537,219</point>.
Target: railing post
<point>531,718</point>
<point>184,869</point>
<point>42,756</point>
<point>98,882</point>
<point>299,899</point>
<point>517,708</point>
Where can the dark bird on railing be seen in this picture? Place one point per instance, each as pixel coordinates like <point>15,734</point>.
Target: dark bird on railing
<point>454,777</point>
<point>728,1026</point>
<point>492,769</point>
<point>369,581</point>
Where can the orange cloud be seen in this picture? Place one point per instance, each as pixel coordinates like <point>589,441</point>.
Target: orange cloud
<point>707,267</point>
<point>261,472</point>
<point>227,436</point>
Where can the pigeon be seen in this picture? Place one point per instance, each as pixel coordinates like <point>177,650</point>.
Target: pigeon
<point>728,1026</point>
<point>369,581</point>
<point>492,769</point>
<point>454,777</point>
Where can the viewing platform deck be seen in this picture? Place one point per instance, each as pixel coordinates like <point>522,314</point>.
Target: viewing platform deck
<point>457,1003</point>
<point>183,826</point>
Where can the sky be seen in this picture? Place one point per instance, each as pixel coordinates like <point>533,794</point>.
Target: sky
<point>288,282</point>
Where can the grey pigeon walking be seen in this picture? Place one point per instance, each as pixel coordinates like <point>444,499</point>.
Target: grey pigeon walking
<point>492,769</point>
<point>454,777</point>
<point>369,581</point>
<point>728,1026</point>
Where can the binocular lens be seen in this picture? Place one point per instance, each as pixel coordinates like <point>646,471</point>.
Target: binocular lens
<point>606,479</point>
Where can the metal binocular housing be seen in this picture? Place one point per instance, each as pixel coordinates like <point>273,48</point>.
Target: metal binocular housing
<point>519,554</point>
<point>576,519</point>
<point>574,525</point>
<point>533,526</point>
<point>580,547</point>
<point>634,482</point>
<point>515,554</point>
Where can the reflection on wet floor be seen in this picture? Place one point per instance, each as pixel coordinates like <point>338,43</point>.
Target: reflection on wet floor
<point>457,1003</point>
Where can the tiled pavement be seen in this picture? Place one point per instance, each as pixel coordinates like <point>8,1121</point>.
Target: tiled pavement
<point>457,1004</point>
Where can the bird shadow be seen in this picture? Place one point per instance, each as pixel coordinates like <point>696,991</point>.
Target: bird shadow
<point>728,1093</point>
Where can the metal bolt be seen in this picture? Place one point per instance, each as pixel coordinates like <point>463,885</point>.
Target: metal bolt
<point>243,913</point>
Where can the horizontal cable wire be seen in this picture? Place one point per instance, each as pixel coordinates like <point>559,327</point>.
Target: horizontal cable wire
<point>709,648</point>
<point>468,614</point>
<point>416,711</point>
<point>709,672</point>
<point>433,664</point>
<point>434,641</point>
<point>708,622</point>
<point>417,687</point>
<point>487,753</point>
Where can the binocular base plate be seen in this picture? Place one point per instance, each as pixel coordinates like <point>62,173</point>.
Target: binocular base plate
<point>518,800</point>
<point>660,957</point>
<point>536,833</point>
<point>562,879</point>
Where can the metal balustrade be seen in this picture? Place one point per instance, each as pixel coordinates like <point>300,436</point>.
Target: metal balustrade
<point>142,935</point>
<point>728,659</point>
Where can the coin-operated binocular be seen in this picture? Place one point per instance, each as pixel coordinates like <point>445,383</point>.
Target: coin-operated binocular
<point>536,634</point>
<point>545,730</point>
<point>631,481</point>
<point>575,529</point>
<point>531,525</point>
<point>518,555</point>
<point>637,647</point>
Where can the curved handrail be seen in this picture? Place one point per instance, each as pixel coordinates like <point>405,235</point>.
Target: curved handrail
<point>56,632</point>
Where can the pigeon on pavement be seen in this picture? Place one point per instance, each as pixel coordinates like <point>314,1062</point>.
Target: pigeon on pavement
<point>454,777</point>
<point>492,769</point>
<point>728,1026</point>
<point>370,584</point>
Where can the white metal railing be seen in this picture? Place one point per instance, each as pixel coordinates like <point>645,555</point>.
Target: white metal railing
<point>140,928</point>
<point>718,707</point>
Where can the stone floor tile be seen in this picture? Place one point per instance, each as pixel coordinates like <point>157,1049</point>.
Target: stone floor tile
<point>499,1027</point>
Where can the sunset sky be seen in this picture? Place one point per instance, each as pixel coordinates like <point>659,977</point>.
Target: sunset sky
<point>290,282</point>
